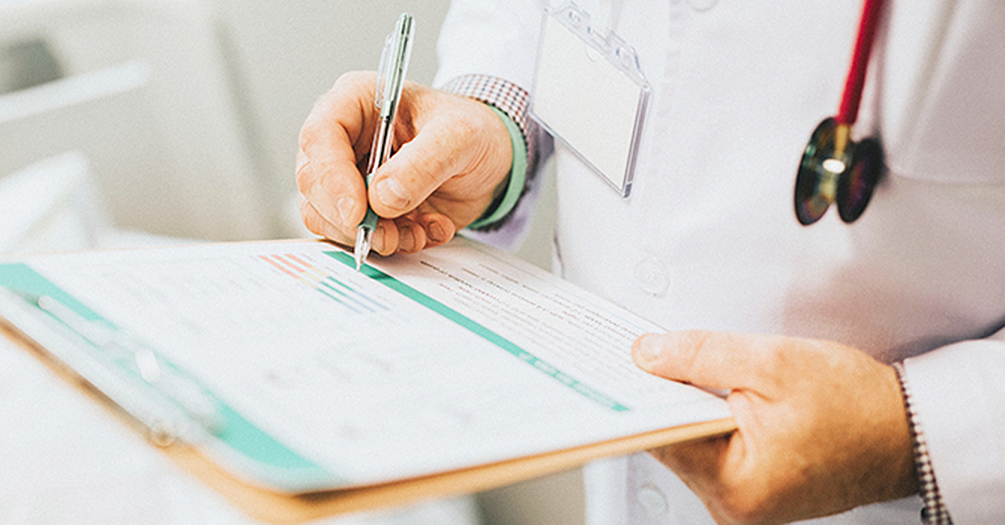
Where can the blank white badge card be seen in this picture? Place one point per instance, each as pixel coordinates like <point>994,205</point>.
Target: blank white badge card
<point>590,94</point>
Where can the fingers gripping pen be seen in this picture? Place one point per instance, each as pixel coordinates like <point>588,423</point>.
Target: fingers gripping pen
<point>390,79</point>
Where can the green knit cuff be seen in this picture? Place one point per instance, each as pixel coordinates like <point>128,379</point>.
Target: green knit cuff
<point>517,175</point>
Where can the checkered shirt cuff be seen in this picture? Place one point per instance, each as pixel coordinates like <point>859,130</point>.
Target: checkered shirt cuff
<point>935,511</point>
<point>512,100</point>
<point>503,94</point>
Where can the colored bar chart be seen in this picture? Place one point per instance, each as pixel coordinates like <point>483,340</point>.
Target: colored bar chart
<point>316,278</point>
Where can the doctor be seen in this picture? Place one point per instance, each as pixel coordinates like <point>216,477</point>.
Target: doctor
<point>802,324</point>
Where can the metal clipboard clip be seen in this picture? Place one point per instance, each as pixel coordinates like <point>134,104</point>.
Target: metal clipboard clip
<point>164,401</point>
<point>590,94</point>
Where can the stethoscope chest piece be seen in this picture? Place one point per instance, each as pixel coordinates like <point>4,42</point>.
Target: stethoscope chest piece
<point>836,170</point>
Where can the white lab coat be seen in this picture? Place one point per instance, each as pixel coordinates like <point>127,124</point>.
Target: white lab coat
<point>709,239</point>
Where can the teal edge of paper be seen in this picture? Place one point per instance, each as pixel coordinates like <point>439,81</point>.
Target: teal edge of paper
<point>237,433</point>
<point>479,330</point>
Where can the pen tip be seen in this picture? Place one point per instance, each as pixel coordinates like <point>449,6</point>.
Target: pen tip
<point>362,248</point>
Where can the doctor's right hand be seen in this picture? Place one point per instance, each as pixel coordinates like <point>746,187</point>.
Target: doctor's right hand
<point>452,157</point>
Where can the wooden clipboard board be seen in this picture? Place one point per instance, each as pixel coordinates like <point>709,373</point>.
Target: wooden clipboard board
<point>275,507</point>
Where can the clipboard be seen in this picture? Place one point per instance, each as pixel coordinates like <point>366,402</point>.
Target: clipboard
<point>259,475</point>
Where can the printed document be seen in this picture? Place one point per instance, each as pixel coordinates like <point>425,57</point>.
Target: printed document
<point>454,357</point>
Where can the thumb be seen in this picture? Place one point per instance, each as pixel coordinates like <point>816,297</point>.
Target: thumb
<point>718,360</point>
<point>418,169</point>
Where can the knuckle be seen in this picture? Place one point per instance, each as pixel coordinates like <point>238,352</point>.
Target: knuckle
<point>304,174</point>
<point>740,507</point>
<point>411,91</point>
<point>420,239</point>
<point>429,170</point>
<point>775,360</point>
<point>426,167</point>
<point>467,126</point>
<point>475,136</point>
<point>693,344</point>
<point>310,132</point>
<point>353,80</point>
<point>387,243</point>
<point>312,221</point>
<point>318,225</point>
<point>774,357</point>
<point>348,86</point>
<point>407,239</point>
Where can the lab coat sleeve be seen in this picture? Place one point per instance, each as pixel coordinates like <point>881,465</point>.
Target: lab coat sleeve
<point>500,39</point>
<point>958,392</point>
<point>490,37</point>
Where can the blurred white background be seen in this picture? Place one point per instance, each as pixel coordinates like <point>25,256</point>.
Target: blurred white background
<point>181,117</point>
<point>188,110</point>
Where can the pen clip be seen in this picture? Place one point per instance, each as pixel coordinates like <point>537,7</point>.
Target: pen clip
<point>394,60</point>
<point>385,54</point>
<point>393,67</point>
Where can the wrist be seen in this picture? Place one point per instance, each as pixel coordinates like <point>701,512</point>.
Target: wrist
<point>507,193</point>
<point>511,103</point>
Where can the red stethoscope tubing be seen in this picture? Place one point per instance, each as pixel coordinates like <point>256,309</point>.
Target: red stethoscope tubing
<point>852,96</point>
<point>834,168</point>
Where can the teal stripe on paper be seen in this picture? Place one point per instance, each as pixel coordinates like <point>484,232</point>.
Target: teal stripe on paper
<point>479,330</point>
<point>274,463</point>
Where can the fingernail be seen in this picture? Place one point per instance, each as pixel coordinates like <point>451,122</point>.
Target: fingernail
<point>346,206</point>
<point>649,346</point>
<point>435,232</point>
<point>392,194</point>
<point>406,239</point>
<point>377,240</point>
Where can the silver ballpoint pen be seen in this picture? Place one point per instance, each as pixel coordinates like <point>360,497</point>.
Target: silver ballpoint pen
<point>390,79</point>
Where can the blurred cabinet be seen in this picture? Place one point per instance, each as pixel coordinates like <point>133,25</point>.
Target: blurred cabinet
<point>140,88</point>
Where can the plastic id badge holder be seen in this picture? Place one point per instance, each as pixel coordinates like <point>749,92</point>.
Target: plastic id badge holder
<point>590,94</point>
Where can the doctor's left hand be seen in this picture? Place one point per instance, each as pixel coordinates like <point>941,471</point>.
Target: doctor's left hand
<point>821,426</point>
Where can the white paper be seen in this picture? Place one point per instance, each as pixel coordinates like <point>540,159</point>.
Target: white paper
<point>468,357</point>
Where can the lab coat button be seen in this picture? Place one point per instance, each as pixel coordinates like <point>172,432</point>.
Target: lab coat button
<point>651,499</point>
<point>652,276</point>
<point>702,5</point>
